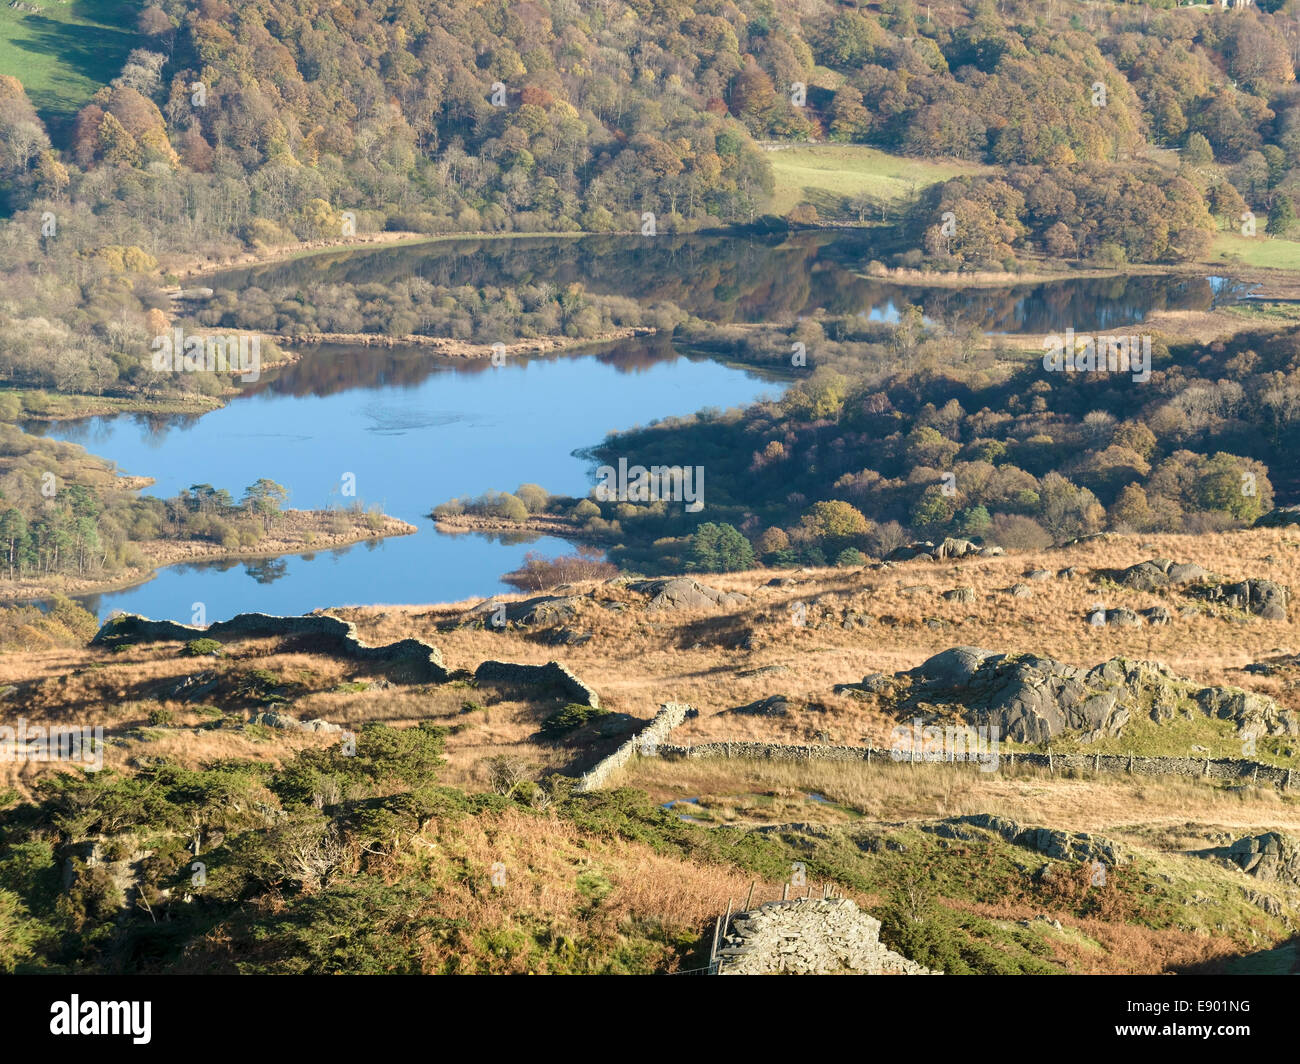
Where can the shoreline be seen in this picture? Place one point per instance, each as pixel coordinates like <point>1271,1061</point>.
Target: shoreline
<point>538,524</point>
<point>451,348</point>
<point>163,554</point>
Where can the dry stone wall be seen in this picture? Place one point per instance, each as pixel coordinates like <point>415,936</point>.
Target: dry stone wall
<point>1223,768</point>
<point>645,742</point>
<point>132,628</point>
<point>552,674</point>
<point>809,937</point>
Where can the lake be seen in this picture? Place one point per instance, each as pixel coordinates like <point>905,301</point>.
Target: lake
<point>416,430</point>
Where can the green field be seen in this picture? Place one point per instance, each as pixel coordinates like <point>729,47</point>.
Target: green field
<point>1262,250</point>
<point>831,176</point>
<point>67,50</point>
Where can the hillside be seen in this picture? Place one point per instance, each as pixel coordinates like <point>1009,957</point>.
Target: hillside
<point>225,716</point>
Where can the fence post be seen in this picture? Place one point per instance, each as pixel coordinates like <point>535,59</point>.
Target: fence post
<point>750,900</point>
<point>1096,763</point>
<point>785,891</point>
<point>1130,762</point>
<point>1050,768</point>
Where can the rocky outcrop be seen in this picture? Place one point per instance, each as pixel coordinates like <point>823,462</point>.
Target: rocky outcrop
<point>1264,598</point>
<point>1156,574</point>
<point>538,612</point>
<point>552,674</point>
<point>1032,698</point>
<point>1076,846</point>
<point>949,549</point>
<point>1271,857</point>
<point>683,593</point>
<point>281,720</point>
<point>776,706</point>
<point>810,936</point>
<point>1279,517</point>
<point>340,635</point>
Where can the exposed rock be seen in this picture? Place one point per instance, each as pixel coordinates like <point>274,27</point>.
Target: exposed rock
<point>765,670</point>
<point>683,593</point>
<point>1156,574</point>
<point>1264,598</point>
<point>772,706</point>
<point>538,612</point>
<point>193,687</point>
<point>283,721</point>
<point>1032,698</point>
<point>1253,714</point>
<point>566,637</point>
<point>1158,615</point>
<point>949,548</point>
<point>1020,591</point>
<point>1077,846</point>
<point>1279,517</point>
<point>1271,857</point>
<point>1038,574</point>
<point>960,594</point>
<point>875,683</point>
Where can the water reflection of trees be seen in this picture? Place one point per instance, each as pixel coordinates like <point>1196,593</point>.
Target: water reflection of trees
<point>267,570</point>
<point>733,279</point>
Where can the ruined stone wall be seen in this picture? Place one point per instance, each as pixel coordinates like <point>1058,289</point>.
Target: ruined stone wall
<point>132,628</point>
<point>1224,768</point>
<point>552,674</point>
<point>645,742</point>
<point>809,937</point>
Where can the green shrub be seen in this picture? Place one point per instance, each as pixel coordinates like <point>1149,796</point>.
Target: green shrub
<point>196,648</point>
<point>574,715</point>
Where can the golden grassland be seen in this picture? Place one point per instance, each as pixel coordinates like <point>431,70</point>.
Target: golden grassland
<point>637,659</point>
<point>591,887</point>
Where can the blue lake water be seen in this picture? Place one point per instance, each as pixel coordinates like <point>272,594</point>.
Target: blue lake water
<point>415,430</point>
<point>415,434</point>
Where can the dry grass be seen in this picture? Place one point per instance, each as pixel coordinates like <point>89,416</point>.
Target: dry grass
<point>637,660</point>
<point>888,793</point>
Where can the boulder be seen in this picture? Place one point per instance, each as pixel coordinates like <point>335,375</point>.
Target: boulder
<point>1279,517</point>
<point>683,593</point>
<point>772,706</point>
<point>960,594</point>
<point>1263,598</point>
<point>538,612</point>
